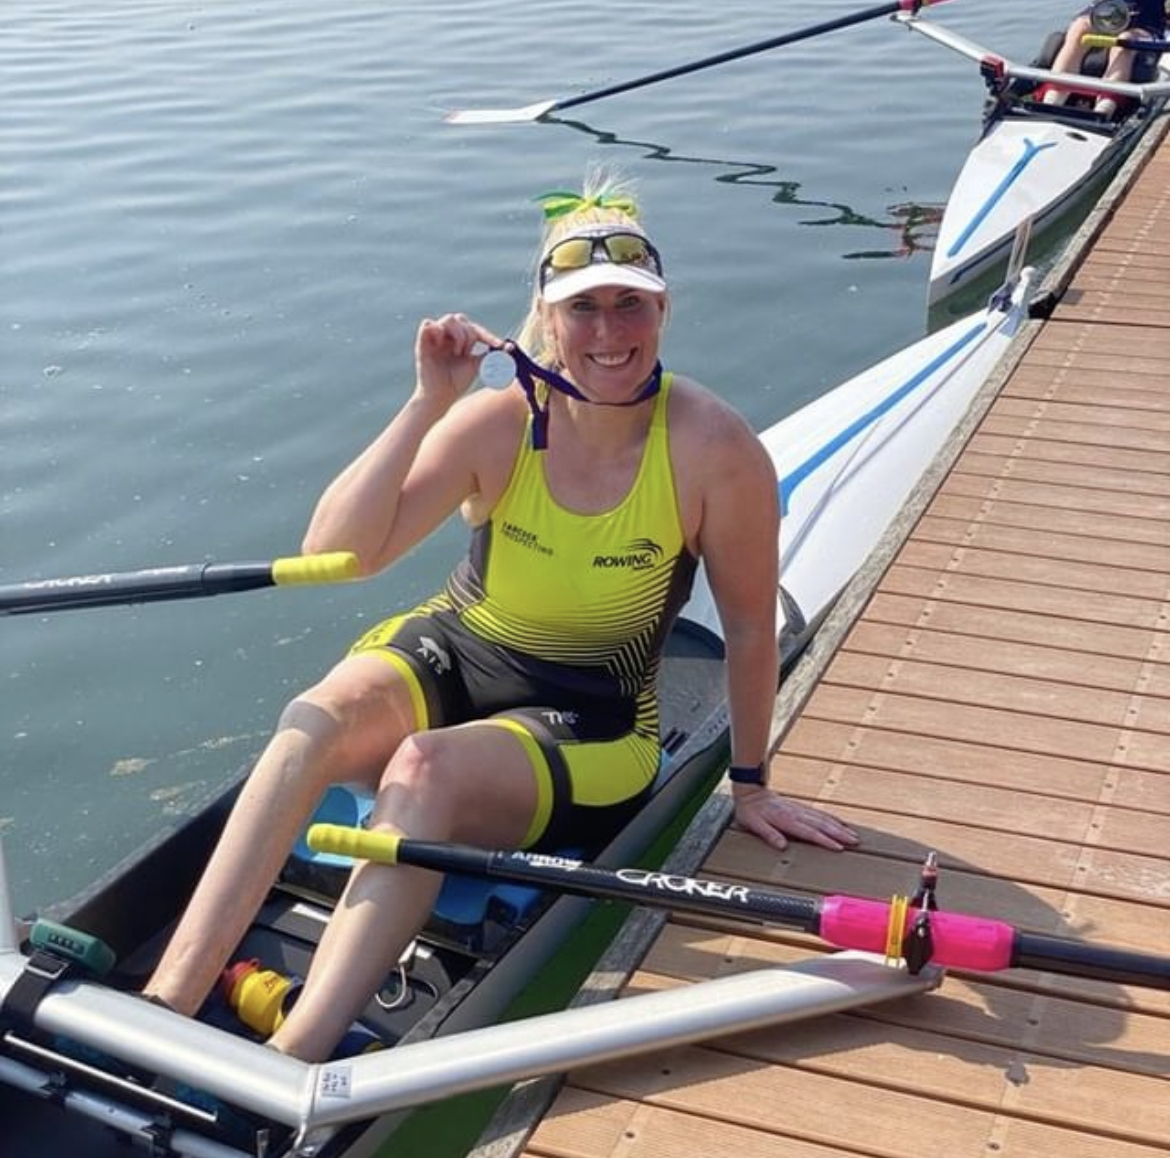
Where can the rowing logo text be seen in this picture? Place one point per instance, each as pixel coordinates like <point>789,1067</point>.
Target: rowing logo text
<point>640,555</point>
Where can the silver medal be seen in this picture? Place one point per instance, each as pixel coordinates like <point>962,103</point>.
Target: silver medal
<point>497,370</point>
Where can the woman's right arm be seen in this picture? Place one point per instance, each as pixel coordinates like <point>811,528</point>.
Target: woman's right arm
<point>422,465</point>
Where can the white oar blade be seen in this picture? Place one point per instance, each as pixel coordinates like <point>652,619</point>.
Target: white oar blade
<point>500,116</point>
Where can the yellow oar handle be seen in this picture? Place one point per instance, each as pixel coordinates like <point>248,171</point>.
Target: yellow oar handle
<point>1107,40</point>
<point>360,843</point>
<point>330,567</point>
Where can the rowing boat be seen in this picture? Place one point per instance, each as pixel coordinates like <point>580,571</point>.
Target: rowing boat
<point>1033,160</point>
<point>85,1064</point>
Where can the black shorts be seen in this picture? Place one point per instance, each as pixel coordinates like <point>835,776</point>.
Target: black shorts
<point>594,757</point>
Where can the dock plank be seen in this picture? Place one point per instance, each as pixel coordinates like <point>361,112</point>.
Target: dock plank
<point>931,1059</point>
<point>790,1103</point>
<point>1124,1026</point>
<point>969,650</point>
<point>1043,599</point>
<point>1007,538</point>
<point>1091,511</point>
<point>941,758</point>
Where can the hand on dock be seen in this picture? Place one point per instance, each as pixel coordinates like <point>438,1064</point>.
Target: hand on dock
<point>775,819</point>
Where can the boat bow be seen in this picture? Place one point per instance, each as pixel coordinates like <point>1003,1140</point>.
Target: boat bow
<point>1032,160</point>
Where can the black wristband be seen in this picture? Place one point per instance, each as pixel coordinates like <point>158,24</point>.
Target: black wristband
<point>751,774</point>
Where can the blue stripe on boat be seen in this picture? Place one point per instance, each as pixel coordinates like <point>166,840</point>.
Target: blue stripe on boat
<point>795,477</point>
<point>1031,152</point>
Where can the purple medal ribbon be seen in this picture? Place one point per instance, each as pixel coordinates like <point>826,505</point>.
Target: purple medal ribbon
<point>528,371</point>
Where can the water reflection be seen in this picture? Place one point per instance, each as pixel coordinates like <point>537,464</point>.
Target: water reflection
<point>914,225</point>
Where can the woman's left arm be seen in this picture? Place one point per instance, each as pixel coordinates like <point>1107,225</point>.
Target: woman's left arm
<point>739,543</point>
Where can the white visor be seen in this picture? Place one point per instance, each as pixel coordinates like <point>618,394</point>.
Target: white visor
<point>602,270</point>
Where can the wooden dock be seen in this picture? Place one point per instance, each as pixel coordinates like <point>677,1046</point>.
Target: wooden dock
<point>996,687</point>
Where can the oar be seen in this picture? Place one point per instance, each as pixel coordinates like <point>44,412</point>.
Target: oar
<point>535,111</point>
<point>190,581</point>
<point>896,927</point>
<point>1134,44</point>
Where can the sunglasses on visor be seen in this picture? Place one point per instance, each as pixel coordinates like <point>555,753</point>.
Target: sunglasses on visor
<point>616,248</point>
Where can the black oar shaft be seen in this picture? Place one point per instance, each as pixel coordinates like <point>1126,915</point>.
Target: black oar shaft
<point>144,586</point>
<point>637,886</point>
<point>187,581</point>
<point>735,53</point>
<point>1098,962</point>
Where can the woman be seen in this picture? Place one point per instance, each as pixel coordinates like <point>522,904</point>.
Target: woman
<point>518,707</point>
<point>1147,20</point>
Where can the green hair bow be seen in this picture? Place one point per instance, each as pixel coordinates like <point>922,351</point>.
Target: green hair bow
<point>560,204</point>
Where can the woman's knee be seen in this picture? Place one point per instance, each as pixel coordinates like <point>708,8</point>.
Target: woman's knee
<point>419,766</point>
<point>1072,37</point>
<point>414,791</point>
<point>473,784</point>
<point>317,714</point>
<point>349,717</point>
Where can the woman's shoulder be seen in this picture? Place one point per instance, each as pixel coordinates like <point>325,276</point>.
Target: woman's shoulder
<point>697,411</point>
<point>719,461</point>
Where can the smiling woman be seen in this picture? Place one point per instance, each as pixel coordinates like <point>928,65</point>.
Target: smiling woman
<point>537,665</point>
<point>601,268</point>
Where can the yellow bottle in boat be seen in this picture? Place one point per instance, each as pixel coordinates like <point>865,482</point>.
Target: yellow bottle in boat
<point>261,997</point>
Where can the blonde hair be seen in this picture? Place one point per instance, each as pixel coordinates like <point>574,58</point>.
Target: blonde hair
<point>602,189</point>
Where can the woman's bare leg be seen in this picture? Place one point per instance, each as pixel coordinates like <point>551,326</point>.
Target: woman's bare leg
<point>345,728</point>
<point>474,784</point>
<point>1120,68</point>
<point>1070,57</point>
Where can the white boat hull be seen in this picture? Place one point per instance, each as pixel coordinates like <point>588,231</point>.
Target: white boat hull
<point>847,462</point>
<point>1020,169</point>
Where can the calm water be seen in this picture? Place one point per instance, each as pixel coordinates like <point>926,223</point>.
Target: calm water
<point>221,224</point>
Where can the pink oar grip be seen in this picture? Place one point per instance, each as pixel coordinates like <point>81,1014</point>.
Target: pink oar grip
<point>957,940</point>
